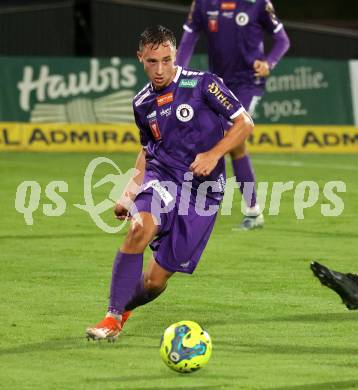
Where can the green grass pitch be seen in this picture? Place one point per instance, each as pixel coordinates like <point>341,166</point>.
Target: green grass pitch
<point>272,324</point>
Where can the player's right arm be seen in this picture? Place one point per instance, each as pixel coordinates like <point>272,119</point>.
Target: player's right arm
<point>192,28</point>
<point>131,190</point>
<point>124,203</point>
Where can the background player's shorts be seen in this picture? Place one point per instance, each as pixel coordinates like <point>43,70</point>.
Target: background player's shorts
<point>249,97</point>
<point>181,239</point>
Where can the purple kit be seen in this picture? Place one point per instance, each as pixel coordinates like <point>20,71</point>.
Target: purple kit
<point>176,123</point>
<point>235,32</point>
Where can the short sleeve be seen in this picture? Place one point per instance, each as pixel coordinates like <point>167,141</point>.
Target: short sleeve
<point>194,21</point>
<point>220,98</point>
<point>144,138</point>
<point>268,18</point>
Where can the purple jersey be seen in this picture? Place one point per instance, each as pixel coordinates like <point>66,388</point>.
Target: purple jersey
<point>235,32</point>
<point>182,120</point>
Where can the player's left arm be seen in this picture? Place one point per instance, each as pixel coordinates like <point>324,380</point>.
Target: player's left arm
<point>124,203</point>
<point>242,127</point>
<point>281,43</point>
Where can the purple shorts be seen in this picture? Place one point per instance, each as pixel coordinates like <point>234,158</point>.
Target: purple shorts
<point>249,97</point>
<point>183,232</point>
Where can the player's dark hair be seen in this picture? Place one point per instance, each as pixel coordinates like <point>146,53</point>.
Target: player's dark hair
<point>156,36</point>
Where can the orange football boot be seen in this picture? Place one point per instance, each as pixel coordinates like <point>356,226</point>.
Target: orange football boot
<point>108,328</point>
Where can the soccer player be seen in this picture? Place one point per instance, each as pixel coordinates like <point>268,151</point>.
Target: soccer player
<point>181,176</point>
<point>345,285</point>
<point>235,33</point>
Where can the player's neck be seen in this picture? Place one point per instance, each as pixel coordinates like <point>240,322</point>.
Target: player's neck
<point>175,70</point>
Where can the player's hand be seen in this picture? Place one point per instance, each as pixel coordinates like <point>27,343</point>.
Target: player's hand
<point>204,164</point>
<point>121,212</point>
<point>261,68</point>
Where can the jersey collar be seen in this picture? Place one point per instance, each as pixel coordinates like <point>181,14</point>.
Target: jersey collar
<point>178,73</point>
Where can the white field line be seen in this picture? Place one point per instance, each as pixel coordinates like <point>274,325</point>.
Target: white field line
<point>299,164</point>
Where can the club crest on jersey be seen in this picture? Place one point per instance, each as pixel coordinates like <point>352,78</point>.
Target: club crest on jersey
<point>242,19</point>
<point>154,128</point>
<point>216,91</point>
<point>165,99</point>
<point>184,112</point>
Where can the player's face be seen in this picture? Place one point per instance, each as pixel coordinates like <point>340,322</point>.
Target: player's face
<point>158,63</point>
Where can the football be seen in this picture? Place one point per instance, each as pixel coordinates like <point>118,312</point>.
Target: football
<point>185,346</point>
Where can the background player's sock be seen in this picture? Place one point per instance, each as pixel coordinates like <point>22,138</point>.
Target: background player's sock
<point>244,173</point>
<point>142,296</point>
<point>126,274</point>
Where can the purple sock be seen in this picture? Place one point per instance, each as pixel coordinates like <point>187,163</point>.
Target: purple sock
<point>244,173</point>
<point>142,296</point>
<point>126,273</point>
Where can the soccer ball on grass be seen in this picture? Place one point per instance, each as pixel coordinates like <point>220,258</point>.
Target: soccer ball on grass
<point>185,347</point>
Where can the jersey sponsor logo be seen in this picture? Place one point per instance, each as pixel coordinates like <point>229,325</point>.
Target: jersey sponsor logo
<point>165,99</point>
<point>188,83</point>
<point>228,15</point>
<point>185,112</point>
<point>242,19</point>
<point>212,13</point>
<point>216,91</point>
<point>152,115</point>
<point>166,111</point>
<point>228,6</point>
<point>213,24</point>
<point>154,127</point>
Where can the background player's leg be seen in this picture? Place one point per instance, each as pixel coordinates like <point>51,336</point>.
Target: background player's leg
<point>244,173</point>
<point>152,283</point>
